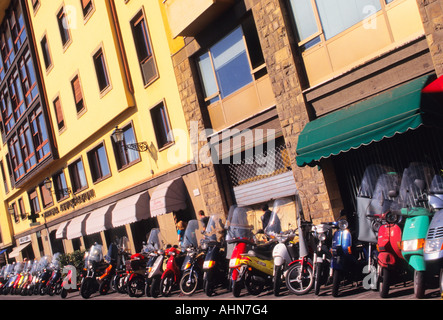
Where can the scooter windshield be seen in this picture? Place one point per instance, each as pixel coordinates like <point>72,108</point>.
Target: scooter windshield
<point>155,240</point>
<point>381,201</point>
<point>190,237</point>
<point>55,263</point>
<point>369,180</point>
<point>283,216</point>
<point>436,185</point>
<point>19,267</point>
<point>415,181</point>
<point>215,227</point>
<point>43,262</point>
<point>95,253</point>
<point>237,224</point>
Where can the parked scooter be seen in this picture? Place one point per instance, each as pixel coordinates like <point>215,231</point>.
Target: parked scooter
<point>27,286</point>
<point>280,228</point>
<point>171,274</point>
<point>215,266</point>
<point>18,268</point>
<point>415,183</point>
<point>367,226</point>
<point>106,278</point>
<point>239,240</point>
<point>95,266</point>
<point>192,267</point>
<point>156,271</point>
<point>257,268</point>
<point>433,249</point>
<point>390,260</point>
<point>6,273</point>
<point>43,275</point>
<point>322,255</point>
<point>55,281</point>
<point>118,282</point>
<point>348,258</point>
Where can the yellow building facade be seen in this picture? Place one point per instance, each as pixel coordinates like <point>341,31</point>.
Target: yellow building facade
<point>106,71</point>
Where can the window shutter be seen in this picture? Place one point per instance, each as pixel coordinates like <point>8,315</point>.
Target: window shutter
<point>58,111</point>
<point>85,3</point>
<point>77,90</point>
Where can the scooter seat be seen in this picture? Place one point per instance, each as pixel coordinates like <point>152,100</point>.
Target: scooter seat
<point>263,251</point>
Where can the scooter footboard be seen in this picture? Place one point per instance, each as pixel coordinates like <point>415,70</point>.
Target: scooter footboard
<point>417,262</point>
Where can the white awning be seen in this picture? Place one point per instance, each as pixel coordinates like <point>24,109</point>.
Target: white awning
<point>131,209</point>
<point>76,228</point>
<point>99,220</point>
<point>168,197</point>
<point>61,230</point>
<point>16,251</point>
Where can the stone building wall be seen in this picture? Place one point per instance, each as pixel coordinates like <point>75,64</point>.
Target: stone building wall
<point>320,199</point>
<point>431,12</point>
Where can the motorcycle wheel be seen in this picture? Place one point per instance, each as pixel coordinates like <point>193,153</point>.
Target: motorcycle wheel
<point>104,287</point>
<point>419,284</point>
<point>148,287</point>
<point>336,279</point>
<point>253,287</point>
<point>189,283</point>
<point>384,283</point>
<point>64,293</point>
<point>277,280</point>
<point>118,284</point>
<point>155,287</point>
<point>299,282</point>
<point>237,286</point>
<point>86,288</point>
<point>166,285</point>
<point>136,287</point>
<point>51,290</point>
<point>441,282</point>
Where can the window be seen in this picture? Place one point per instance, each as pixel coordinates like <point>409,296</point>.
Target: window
<point>35,4</point>
<point>63,27</point>
<point>17,97</point>
<point>21,206</point>
<point>7,112</point>
<point>16,158</point>
<point>60,187</point>
<point>14,209</point>
<point>46,53</point>
<point>27,147</point>
<point>98,162</point>
<point>143,47</point>
<point>40,135</point>
<point>101,71</point>
<point>7,48</point>
<point>78,94</point>
<point>126,157</point>
<point>29,80</point>
<point>17,25</point>
<point>5,182</point>
<point>226,67</point>
<point>161,124</point>
<point>46,197</point>
<point>87,7</point>
<point>59,113</point>
<point>335,16</point>
<point>33,201</point>
<point>78,177</point>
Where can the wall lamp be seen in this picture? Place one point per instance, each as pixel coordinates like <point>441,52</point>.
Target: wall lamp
<point>118,136</point>
<point>61,192</point>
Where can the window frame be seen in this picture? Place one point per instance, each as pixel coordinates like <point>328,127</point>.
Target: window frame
<point>65,33</point>
<point>122,154</point>
<point>75,177</point>
<point>96,163</point>
<point>101,71</point>
<point>165,126</point>
<point>60,186</point>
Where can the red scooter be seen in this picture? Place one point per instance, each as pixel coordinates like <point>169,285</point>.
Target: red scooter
<point>387,223</point>
<point>171,275</point>
<point>239,239</point>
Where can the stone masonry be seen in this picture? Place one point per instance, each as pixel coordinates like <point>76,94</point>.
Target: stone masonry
<point>319,196</point>
<point>431,12</point>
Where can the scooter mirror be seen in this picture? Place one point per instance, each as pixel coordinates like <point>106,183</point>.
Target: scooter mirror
<point>393,193</point>
<point>420,184</point>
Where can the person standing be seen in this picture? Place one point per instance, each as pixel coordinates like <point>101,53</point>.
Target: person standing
<point>266,216</point>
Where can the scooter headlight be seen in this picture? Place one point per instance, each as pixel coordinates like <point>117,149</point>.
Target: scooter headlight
<point>321,236</point>
<point>412,245</point>
<point>391,217</point>
<point>343,224</point>
<point>433,245</point>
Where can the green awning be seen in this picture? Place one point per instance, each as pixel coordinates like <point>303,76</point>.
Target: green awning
<point>395,111</point>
